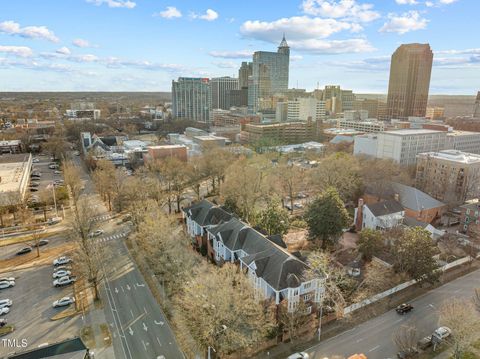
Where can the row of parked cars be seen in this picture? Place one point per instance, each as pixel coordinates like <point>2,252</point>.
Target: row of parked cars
<point>5,303</point>
<point>62,276</point>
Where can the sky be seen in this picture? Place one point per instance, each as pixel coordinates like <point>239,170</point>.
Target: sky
<point>141,45</point>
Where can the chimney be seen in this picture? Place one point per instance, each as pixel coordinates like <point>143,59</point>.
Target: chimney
<point>359,219</point>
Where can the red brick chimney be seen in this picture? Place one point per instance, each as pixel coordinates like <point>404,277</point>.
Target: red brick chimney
<point>359,219</point>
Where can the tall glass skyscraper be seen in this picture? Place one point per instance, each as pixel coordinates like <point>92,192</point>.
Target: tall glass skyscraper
<point>191,98</point>
<point>409,82</point>
<point>270,74</point>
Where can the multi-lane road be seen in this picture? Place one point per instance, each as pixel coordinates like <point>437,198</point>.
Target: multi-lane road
<point>374,337</point>
<point>139,327</point>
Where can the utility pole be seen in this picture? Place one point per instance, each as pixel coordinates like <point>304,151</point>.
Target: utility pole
<point>54,199</point>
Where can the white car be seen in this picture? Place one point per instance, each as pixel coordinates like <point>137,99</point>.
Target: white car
<point>61,260</point>
<point>300,355</point>
<point>97,233</point>
<point>61,273</point>
<point>8,279</point>
<point>63,281</point>
<point>5,303</point>
<point>4,310</point>
<point>54,220</point>
<point>7,284</point>
<point>63,302</point>
<point>35,160</point>
<point>442,332</point>
<point>57,172</point>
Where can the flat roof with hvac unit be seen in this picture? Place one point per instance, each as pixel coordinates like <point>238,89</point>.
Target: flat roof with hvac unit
<point>14,176</point>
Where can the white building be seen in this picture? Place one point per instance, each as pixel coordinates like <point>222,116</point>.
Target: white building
<point>367,126</point>
<point>379,216</point>
<point>14,178</point>
<point>402,146</point>
<point>355,115</point>
<point>464,141</point>
<point>302,108</point>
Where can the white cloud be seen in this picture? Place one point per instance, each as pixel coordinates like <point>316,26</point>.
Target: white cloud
<point>406,22</point>
<point>84,58</point>
<point>210,15</point>
<point>406,2</point>
<point>318,46</point>
<point>31,32</point>
<point>241,54</point>
<point>226,64</point>
<point>170,12</point>
<point>22,51</point>
<point>345,9</point>
<point>458,52</point>
<point>82,43</point>
<point>295,28</point>
<point>447,2</point>
<point>429,4</point>
<point>63,51</point>
<point>114,3</point>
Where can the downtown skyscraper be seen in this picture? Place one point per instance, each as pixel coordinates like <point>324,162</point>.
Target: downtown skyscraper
<point>410,70</point>
<point>270,74</point>
<point>191,99</point>
<point>220,88</point>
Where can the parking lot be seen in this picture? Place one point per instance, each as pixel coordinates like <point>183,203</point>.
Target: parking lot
<point>48,175</point>
<point>32,296</point>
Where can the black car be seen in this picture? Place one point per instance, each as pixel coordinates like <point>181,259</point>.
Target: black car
<point>3,322</point>
<point>404,308</point>
<point>41,242</point>
<point>24,250</point>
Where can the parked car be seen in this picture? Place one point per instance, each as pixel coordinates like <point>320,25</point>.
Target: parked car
<point>425,342</point>
<point>33,189</point>
<point>54,220</point>
<point>62,260</point>
<point>4,310</point>
<point>36,174</point>
<point>61,273</point>
<point>96,233</point>
<point>53,167</point>
<point>34,179</point>
<point>57,172</point>
<point>3,322</point>
<point>7,279</point>
<point>7,284</point>
<point>63,267</point>
<point>298,205</point>
<point>299,355</point>
<point>62,302</point>
<point>24,250</point>
<point>404,308</point>
<point>5,303</point>
<point>60,282</point>
<point>58,181</point>
<point>34,184</point>
<point>442,332</point>
<point>41,242</point>
<point>354,272</point>
<point>35,160</point>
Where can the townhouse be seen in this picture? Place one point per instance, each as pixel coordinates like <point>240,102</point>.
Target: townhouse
<point>273,271</point>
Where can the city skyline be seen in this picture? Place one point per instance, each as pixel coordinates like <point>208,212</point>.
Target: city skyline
<point>122,47</point>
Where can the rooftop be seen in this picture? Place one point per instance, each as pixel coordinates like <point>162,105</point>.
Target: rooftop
<point>12,168</point>
<point>166,147</point>
<point>384,208</point>
<point>456,133</point>
<point>412,132</point>
<point>453,156</point>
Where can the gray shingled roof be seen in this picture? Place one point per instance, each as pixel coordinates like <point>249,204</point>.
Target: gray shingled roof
<point>276,266</point>
<point>412,222</point>
<point>414,199</point>
<point>206,213</point>
<point>385,207</point>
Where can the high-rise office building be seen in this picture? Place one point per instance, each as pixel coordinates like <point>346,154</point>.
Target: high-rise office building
<point>303,108</point>
<point>220,88</point>
<point>191,98</point>
<point>270,74</point>
<point>338,100</point>
<point>410,71</point>
<point>476,109</point>
<point>245,70</point>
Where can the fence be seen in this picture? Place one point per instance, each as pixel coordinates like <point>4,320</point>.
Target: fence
<point>379,296</point>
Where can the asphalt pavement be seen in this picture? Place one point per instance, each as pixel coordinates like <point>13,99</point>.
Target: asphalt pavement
<point>374,338</point>
<point>138,326</point>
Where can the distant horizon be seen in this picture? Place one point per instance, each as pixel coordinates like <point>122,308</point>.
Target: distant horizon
<point>141,46</point>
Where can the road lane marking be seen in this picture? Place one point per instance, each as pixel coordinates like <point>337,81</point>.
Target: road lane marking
<point>145,310</point>
<point>158,340</point>
<point>158,323</point>
<point>144,346</point>
<point>145,327</point>
<point>130,330</point>
<point>122,289</point>
<point>374,348</point>
<point>431,305</point>
<point>128,287</point>
<point>116,290</point>
<point>398,321</point>
<point>140,285</point>
<point>132,322</point>
<point>131,311</point>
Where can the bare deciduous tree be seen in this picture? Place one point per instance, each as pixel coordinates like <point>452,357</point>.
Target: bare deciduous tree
<point>405,338</point>
<point>292,321</point>
<point>463,319</point>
